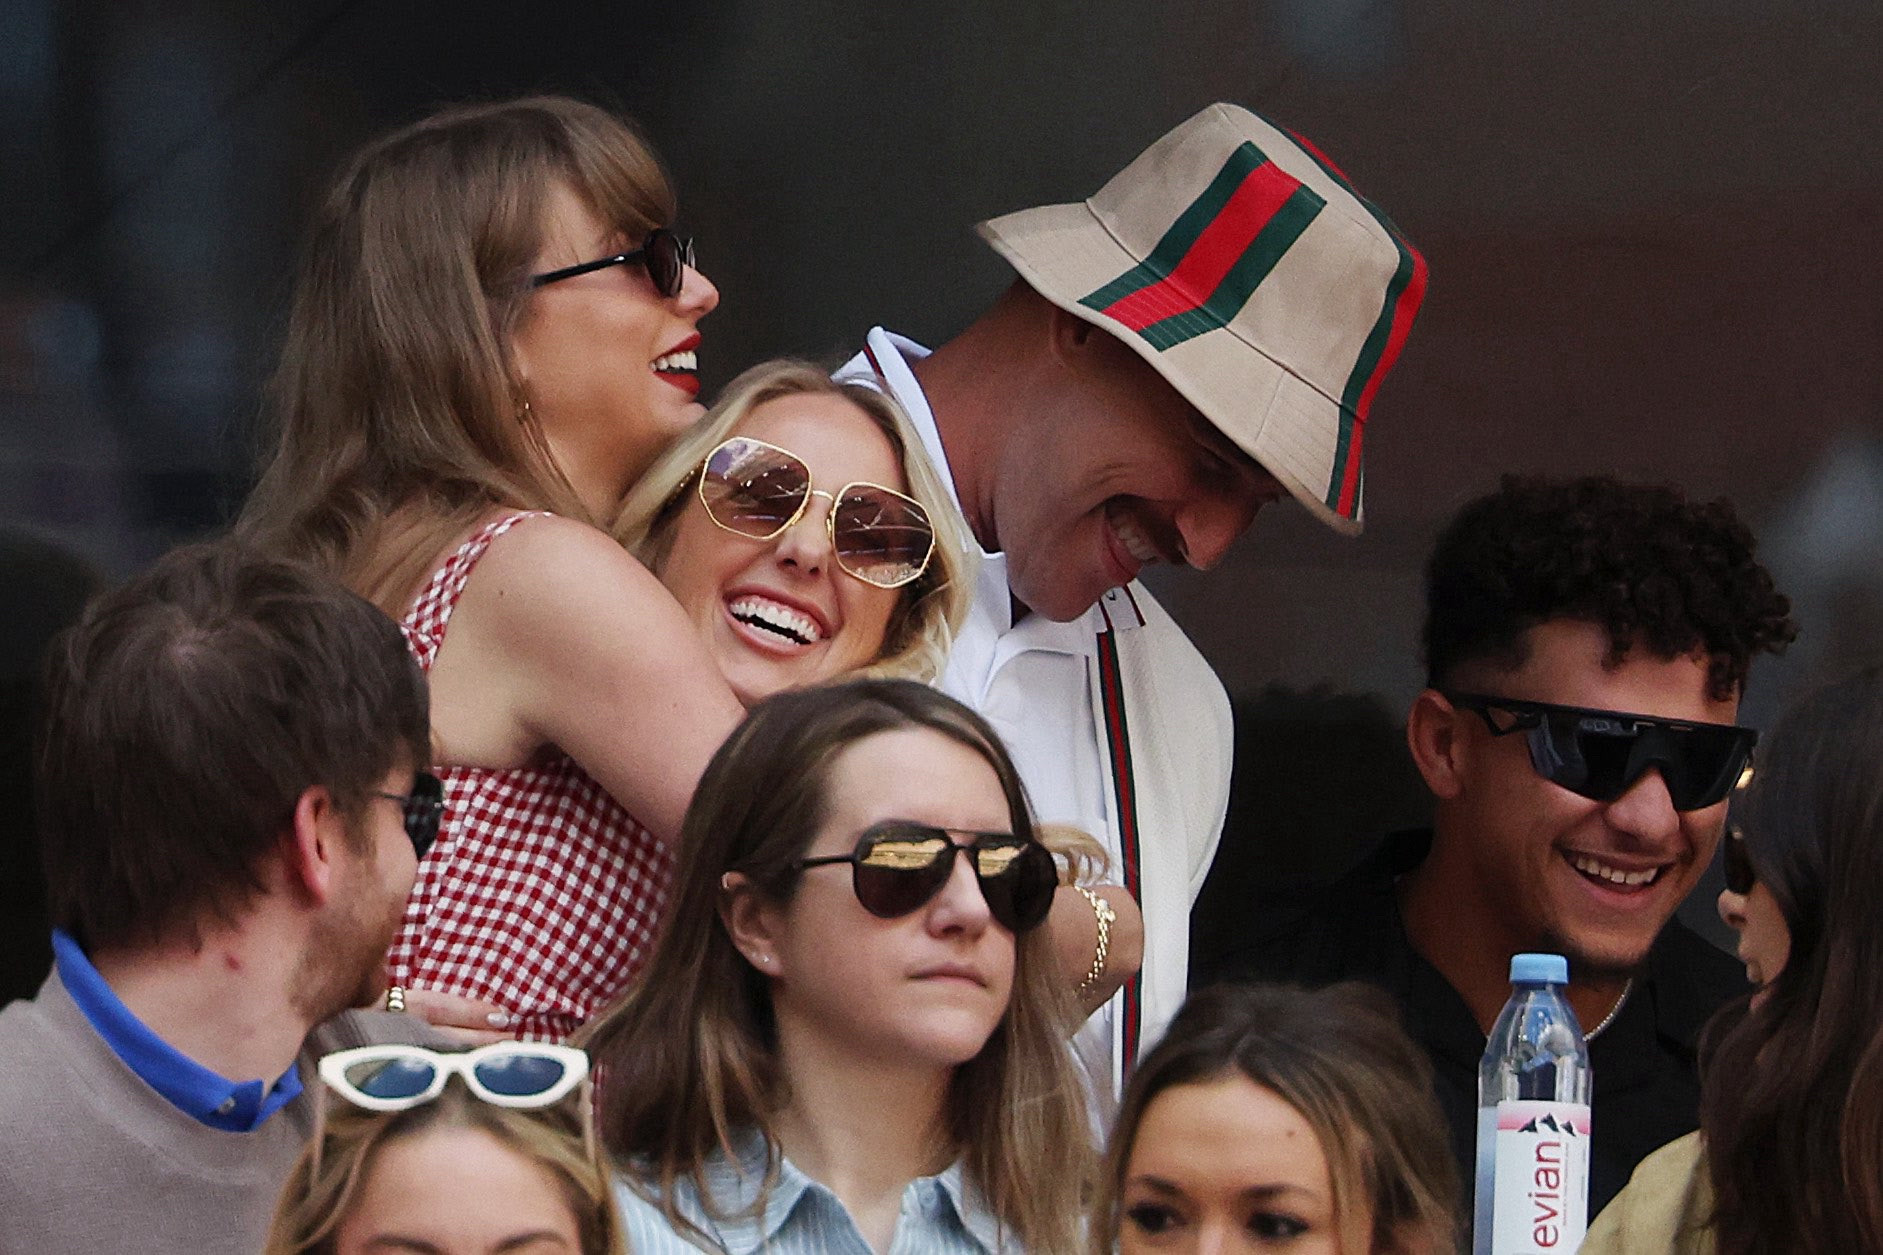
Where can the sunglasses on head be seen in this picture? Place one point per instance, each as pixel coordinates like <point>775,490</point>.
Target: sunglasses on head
<point>757,490</point>
<point>1599,754</point>
<point>899,867</point>
<point>665,256</point>
<point>1736,862</point>
<point>506,1074</point>
<point>424,806</point>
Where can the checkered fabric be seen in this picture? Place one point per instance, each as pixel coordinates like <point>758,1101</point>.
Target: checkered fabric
<point>541,893</point>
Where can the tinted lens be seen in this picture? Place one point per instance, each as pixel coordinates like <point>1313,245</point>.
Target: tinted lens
<point>1708,764</point>
<point>881,537</point>
<point>1736,862</point>
<point>391,1078</point>
<point>1601,756</point>
<point>1017,879</point>
<point>1585,755</point>
<point>519,1075</point>
<point>899,870</point>
<point>665,255</point>
<point>753,489</point>
<point>423,809</point>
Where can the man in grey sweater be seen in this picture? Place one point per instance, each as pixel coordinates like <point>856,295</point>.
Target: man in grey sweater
<point>231,794</point>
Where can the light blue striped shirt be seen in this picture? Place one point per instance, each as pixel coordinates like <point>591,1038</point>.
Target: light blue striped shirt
<point>941,1215</point>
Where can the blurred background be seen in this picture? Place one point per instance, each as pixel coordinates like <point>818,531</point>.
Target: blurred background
<point>1654,234</point>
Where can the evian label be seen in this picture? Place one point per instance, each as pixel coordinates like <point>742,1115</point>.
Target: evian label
<point>1542,1178</point>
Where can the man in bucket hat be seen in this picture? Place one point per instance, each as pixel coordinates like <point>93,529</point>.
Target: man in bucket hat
<point>1202,336</point>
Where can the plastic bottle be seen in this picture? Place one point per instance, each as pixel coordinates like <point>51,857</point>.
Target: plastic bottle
<point>1533,1119</point>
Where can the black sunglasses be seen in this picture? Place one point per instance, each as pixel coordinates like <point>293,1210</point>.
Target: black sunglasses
<point>665,255</point>
<point>898,867</point>
<point>1599,754</point>
<point>424,806</point>
<point>1736,862</point>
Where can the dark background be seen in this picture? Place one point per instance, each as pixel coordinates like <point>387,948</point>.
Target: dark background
<point>1653,233</point>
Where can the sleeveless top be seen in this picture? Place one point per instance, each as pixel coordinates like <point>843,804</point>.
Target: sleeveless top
<point>541,893</point>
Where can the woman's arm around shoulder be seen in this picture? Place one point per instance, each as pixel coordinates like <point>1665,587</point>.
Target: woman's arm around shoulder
<point>562,638</point>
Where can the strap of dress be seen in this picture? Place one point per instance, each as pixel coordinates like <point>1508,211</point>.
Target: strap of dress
<point>424,624</point>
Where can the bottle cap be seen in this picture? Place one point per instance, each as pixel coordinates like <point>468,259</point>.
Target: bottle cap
<point>1539,969</point>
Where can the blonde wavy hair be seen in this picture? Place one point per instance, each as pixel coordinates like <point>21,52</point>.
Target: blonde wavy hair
<point>397,410</point>
<point>687,1057</point>
<point>325,1183</point>
<point>931,608</point>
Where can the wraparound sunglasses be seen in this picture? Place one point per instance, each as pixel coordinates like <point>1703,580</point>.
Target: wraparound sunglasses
<point>898,867</point>
<point>758,490</point>
<point>1599,754</point>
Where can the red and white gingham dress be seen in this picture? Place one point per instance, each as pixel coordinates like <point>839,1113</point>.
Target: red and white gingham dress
<point>541,893</point>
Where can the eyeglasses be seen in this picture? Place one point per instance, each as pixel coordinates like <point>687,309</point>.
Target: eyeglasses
<point>506,1074</point>
<point>665,255</point>
<point>898,867</point>
<point>1736,862</point>
<point>758,490</point>
<point>424,806</point>
<point>1599,754</point>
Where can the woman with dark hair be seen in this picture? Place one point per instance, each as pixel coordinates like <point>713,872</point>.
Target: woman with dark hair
<point>851,1032</point>
<point>1272,1117</point>
<point>1789,1154</point>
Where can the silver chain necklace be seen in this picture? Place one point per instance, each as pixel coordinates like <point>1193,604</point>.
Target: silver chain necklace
<point>1613,1011</point>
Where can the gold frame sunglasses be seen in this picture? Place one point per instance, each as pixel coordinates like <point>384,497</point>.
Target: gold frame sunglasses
<point>739,484</point>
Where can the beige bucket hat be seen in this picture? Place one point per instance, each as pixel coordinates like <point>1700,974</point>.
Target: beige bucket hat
<point>1243,266</point>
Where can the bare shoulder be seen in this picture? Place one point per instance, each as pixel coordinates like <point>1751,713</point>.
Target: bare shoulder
<point>547,576</point>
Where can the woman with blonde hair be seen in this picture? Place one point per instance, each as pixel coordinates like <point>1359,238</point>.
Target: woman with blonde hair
<point>850,1037</point>
<point>492,340</point>
<point>1273,1117</point>
<point>453,1154</point>
<point>900,539</point>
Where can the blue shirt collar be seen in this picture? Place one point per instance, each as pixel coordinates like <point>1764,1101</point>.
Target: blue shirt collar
<point>235,1106</point>
<point>735,1184</point>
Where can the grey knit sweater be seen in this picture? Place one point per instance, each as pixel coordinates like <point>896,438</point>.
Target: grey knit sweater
<point>93,1160</point>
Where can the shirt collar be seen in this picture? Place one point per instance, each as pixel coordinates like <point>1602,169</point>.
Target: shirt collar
<point>889,356</point>
<point>735,1182</point>
<point>234,1106</point>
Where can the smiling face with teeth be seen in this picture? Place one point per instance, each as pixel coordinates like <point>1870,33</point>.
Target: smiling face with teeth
<point>607,364</point>
<point>780,613</point>
<point>1526,863</point>
<point>1100,468</point>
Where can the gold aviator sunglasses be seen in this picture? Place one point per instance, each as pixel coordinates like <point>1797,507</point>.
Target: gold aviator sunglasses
<point>758,490</point>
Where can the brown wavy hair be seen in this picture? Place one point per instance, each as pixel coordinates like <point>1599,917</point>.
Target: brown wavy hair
<point>688,1056</point>
<point>398,414</point>
<point>1338,1057</point>
<point>1791,1093</point>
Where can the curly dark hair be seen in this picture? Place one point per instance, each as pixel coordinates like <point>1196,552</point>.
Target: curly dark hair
<point>1641,561</point>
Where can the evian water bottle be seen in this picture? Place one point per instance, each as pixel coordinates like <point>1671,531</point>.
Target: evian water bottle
<point>1533,1119</point>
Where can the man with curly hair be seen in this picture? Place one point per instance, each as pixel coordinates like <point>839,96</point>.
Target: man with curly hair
<point>1586,646</point>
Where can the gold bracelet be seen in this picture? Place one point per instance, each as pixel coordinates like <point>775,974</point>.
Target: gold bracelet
<point>1102,911</point>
